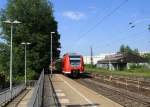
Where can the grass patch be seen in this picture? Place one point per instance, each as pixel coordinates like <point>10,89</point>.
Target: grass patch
<point>136,72</point>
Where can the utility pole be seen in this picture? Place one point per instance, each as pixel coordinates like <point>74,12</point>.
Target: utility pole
<point>91,56</point>
<point>109,62</point>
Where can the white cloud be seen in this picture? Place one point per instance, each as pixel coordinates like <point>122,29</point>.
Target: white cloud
<point>74,15</point>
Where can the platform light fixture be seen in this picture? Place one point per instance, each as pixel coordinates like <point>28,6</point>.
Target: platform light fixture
<point>25,57</point>
<point>52,52</point>
<point>11,23</point>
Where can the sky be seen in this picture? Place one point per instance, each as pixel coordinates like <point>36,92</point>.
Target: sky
<point>101,24</point>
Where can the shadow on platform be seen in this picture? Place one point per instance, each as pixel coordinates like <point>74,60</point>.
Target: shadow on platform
<point>84,105</point>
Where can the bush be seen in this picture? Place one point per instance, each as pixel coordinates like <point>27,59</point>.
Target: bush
<point>32,75</point>
<point>90,66</point>
<point>136,66</point>
<point>2,80</point>
<point>18,78</point>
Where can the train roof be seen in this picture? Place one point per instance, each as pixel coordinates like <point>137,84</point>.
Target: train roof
<point>72,54</point>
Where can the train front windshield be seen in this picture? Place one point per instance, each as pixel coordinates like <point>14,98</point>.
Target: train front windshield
<point>75,60</point>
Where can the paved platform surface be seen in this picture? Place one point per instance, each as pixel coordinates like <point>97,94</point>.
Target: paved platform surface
<point>49,97</point>
<point>21,100</point>
<point>18,99</point>
<point>72,94</point>
<point>25,101</point>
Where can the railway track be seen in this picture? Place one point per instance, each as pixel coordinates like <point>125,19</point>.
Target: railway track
<point>121,96</point>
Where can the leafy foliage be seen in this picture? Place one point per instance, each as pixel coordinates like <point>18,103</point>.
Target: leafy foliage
<point>37,22</point>
<point>4,57</point>
<point>127,50</point>
<point>147,55</point>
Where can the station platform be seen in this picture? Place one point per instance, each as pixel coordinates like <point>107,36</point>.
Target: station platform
<point>22,100</point>
<point>61,91</point>
<point>72,94</point>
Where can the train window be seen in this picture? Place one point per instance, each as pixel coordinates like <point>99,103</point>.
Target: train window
<point>74,56</point>
<point>75,60</point>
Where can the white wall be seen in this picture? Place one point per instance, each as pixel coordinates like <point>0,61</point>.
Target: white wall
<point>87,59</point>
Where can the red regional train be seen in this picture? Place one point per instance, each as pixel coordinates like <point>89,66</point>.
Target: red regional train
<point>71,64</point>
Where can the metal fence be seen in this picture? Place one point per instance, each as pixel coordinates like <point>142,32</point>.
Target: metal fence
<point>8,95</point>
<point>136,85</point>
<point>36,99</point>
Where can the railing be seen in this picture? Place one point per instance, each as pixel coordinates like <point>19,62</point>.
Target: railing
<point>55,98</point>
<point>8,95</point>
<point>36,99</point>
<point>131,84</point>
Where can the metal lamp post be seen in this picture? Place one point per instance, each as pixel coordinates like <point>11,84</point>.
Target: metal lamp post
<point>109,64</point>
<point>25,45</point>
<point>11,23</point>
<point>109,56</point>
<point>51,52</point>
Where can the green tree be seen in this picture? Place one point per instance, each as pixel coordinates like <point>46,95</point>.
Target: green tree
<point>147,55</point>
<point>122,48</point>
<point>4,57</point>
<point>126,50</point>
<point>136,51</point>
<point>37,24</point>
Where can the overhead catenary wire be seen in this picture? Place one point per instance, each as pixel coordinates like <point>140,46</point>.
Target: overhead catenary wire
<point>105,8</point>
<point>100,12</point>
<point>118,40</point>
<point>124,32</point>
<point>101,21</point>
<point>126,37</point>
<point>133,35</point>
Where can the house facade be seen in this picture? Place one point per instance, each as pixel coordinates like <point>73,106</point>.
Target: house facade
<point>121,61</point>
